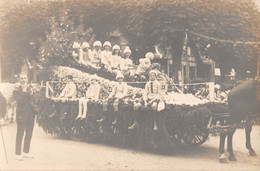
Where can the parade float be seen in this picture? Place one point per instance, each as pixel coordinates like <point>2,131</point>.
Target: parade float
<point>185,118</point>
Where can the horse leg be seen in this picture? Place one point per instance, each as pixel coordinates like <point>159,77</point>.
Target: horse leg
<point>248,130</point>
<point>222,158</point>
<point>230,146</point>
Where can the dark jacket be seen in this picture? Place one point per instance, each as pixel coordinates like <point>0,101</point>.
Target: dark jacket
<point>25,107</point>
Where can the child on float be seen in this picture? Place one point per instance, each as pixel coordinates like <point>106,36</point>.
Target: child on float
<point>126,63</point>
<point>161,77</point>
<point>95,56</point>
<point>115,59</point>
<point>83,54</point>
<point>69,91</point>
<point>144,65</point>
<point>92,95</point>
<point>119,92</point>
<point>105,56</point>
<point>153,95</point>
<point>137,104</point>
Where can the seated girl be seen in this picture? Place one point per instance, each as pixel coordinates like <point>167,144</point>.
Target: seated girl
<point>92,94</point>
<point>106,54</point>
<point>115,59</point>
<point>95,56</point>
<point>126,64</point>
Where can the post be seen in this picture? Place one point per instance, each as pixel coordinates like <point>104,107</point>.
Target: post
<point>47,89</point>
<point>0,64</point>
<point>258,68</point>
<point>185,40</point>
<point>211,91</point>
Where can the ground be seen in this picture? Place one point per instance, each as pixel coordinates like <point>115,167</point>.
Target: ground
<point>55,153</point>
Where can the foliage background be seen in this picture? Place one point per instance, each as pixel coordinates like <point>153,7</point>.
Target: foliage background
<point>25,28</point>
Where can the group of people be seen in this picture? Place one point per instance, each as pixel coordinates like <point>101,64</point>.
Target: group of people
<point>112,61</point>
<point>153,97</point>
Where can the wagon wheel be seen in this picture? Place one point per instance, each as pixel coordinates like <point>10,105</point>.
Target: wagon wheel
<point>197,137</point>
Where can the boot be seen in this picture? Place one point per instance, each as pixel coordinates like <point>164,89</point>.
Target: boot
<point>78,117</point>
<point>83,116</point>
<point>101,120</point>
<point>133,126</point>
<point>114,122</point>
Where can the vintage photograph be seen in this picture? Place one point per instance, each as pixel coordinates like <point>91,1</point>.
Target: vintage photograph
<point>130,85</point>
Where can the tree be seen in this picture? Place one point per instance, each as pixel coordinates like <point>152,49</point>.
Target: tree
<point>57,49</point>
<point>144,24</point>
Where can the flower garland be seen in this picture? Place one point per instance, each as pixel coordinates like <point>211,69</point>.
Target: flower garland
<point>82,81</point>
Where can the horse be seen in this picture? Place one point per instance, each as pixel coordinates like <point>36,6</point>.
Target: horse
<point>243,103</point>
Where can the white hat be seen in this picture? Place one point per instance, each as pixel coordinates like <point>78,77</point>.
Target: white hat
<point>116,47</point>
<point>149,55</point>
<point>127,50</point>
<point>152,72</point>
<point>107,43</point>
<point>85,45</point>
<point>119,75</point>
<point>76,45</point>
<point>97,43</point>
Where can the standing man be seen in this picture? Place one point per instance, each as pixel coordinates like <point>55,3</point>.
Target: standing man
<point>25,111</point>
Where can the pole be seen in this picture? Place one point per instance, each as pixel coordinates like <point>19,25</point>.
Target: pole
<point>3,143</point>
<point>0,64</point>
<point>258,68</point>
<point>185,40</point>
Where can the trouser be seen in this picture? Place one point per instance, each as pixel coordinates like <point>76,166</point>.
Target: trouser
<point>22,127</point>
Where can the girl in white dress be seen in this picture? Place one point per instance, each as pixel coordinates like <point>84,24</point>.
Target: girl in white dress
<point>126,64</point>
<point>92,94</point>
<point>106,55</point>
<point>115,59</point>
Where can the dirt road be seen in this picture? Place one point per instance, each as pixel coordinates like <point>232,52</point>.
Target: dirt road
<point>53,153</point>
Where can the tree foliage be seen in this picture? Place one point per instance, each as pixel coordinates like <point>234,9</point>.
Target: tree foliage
<point>25,27</point>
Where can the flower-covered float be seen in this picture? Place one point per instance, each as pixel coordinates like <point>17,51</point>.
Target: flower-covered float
<point>183,120</point>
